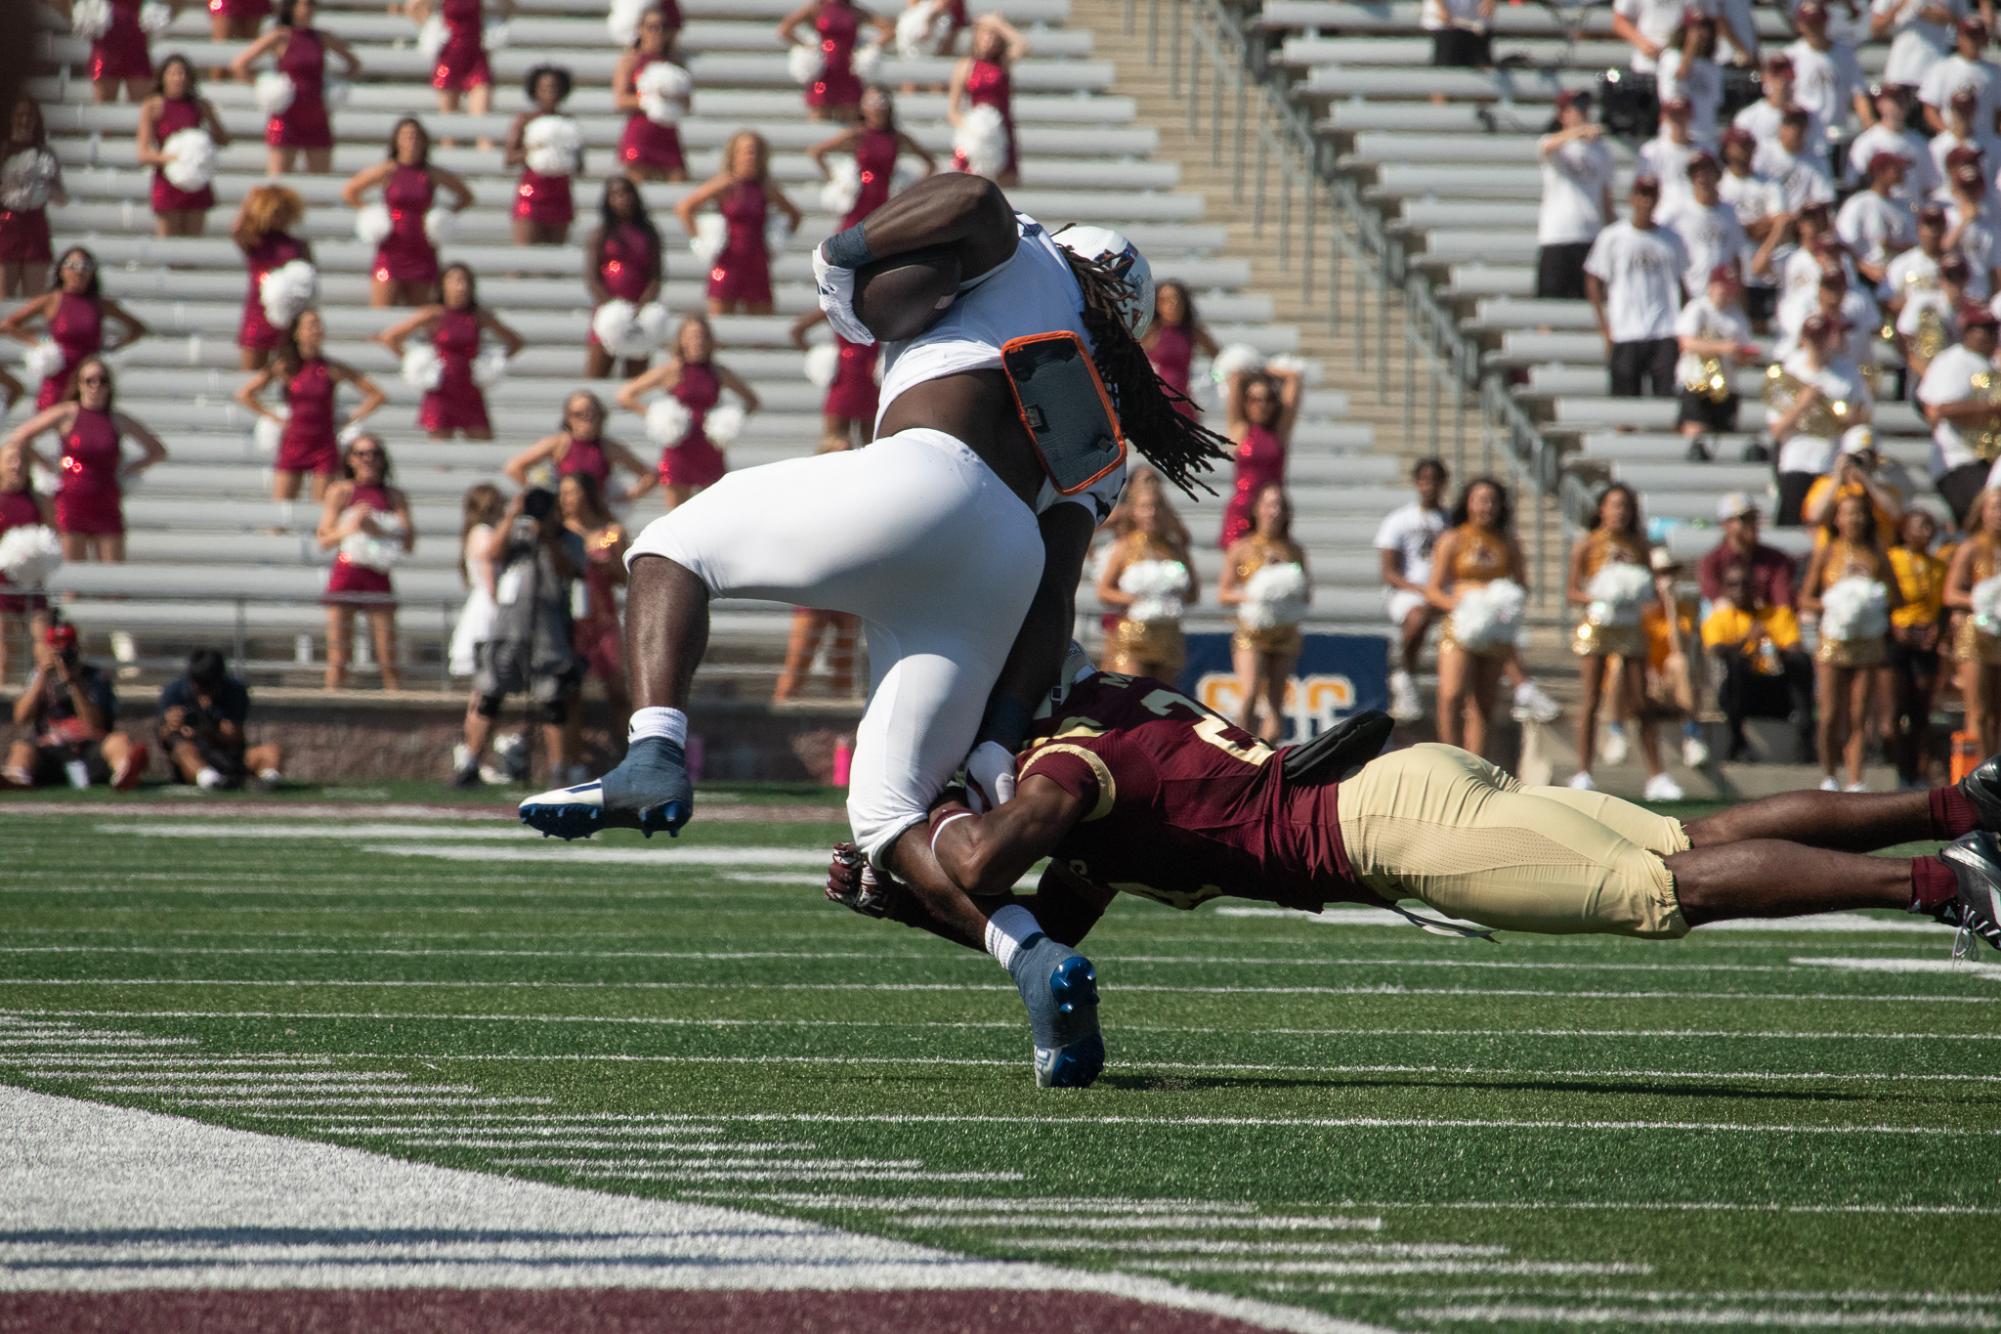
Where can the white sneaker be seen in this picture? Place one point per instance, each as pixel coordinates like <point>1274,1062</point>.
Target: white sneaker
<point>1533,705</point>
<point>1856,787</point>
<point>1615,750</point>
<point>1830,784</point>
<point>1405,706</point>
<point>209,779</point>
<point>1662,787</point>
<point>1694,752</point>
<point>1582,781</point>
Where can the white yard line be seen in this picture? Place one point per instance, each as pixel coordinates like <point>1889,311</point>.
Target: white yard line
<point>1734,1317</point>
<point>1061,1221</point>
<point>1680,1206</point>
<point>1143,1247</point>
<point>1330,1268</point>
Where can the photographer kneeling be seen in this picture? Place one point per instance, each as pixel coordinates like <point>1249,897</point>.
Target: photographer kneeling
<point>72,713</point>
<point>201,728</point>
<point>531,650</point>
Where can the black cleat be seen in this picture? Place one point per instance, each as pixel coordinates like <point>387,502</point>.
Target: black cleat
<point>1982,787</point>
<point>1976,864</point>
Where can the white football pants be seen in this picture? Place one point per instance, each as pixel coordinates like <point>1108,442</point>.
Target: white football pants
<point>917,537</point>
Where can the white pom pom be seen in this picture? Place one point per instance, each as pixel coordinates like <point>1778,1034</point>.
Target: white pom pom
<point>1234,357</point>
<point>1854,608</point>
<point>27,179</point>
<point>274,92</point>
<point>982,140</point>
<point>723,425</point>
<point>1618,594</point>
<point>489,368</point>
<point>1287,364</point>
<point>867,61</point>
<point>89,18</point>
<point>667,422</point>
<point>431,38</point>
<point>29,554</point>
<point>1986,599</point>
<point>651,321</point>
<point>190,157</point>
<point>623,20</point>
<point>920,29</point>
<point>440,225</point>
<point>802,62</point>
<point>495,37</point>
<point>381,550</point>
<point>777,231</point>
<point>843,186</point>
<point>1490,616</point>
<point>42,360</point>
<point>421,367</point>
<point>287,290</point>
<point>268,434</point>
<point>823,360</point>
<point>711,231</point>
<point>154,17</point>
<point>1156,587</point>
<point>628,332</point>
<point>1275,595</point>
<point>334,93</point>
<point>553,146</point>
<point>372,223</point>
<point>663,89</point>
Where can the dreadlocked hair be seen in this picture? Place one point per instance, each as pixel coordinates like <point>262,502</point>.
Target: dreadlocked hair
<point>1150,411</point>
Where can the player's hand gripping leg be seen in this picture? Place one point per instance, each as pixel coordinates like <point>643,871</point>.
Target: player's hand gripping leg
<point>1060,988</point>
<point>648,791</point>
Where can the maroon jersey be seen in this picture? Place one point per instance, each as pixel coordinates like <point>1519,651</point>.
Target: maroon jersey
<point>1184,807</point>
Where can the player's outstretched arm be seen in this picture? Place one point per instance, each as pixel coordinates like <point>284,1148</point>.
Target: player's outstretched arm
<point>1065,905</point>
<point>959,209</point>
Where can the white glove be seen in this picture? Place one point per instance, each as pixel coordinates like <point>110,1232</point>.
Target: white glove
<point>837,297</point>
<point>989,776</point>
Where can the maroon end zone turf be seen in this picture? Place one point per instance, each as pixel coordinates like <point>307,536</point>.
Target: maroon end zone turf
<point>601,1310</point>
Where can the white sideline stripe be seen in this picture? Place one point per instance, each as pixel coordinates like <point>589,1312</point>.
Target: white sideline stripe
<point>513,844</point>
<point>1949,967</point>
<point>133,1042</point>
<point>85,1168</point>
<point>1356,1123</point>
<point>1036,1205</point>
<point>667,1149</point>
<point>1684,1206</point>
<point>1182,1246</point>
<point>472,1123</point>
<point>796,1174</point>
<point>1818,924</point>
<point>363,1081</point>
<point>604,1165</point>
<point>1715,1297</point>
<point>1739,1317</point>
<point>592,955</point>
<point>294,1104</point>
<point>1193,1222</point>
<point>497,1017</point>
<point>399,984</point>
<point>1545,1268</point>
<point>202,1087</point>
<point>516,849</point>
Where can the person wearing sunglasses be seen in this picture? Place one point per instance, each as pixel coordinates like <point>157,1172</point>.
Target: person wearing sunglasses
<point>90,510</point>
<point>72,317</point>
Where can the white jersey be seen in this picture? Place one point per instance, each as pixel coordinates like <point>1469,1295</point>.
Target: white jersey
<point>1921,172</point>
<point>1711,235</point>
<point>1575,181</point>
<point>1825,83</point>
<point>1642,272</point>
<point>1955,72</point>
<point>1949,379</point>
<point>1803,179</point>
<point>1704,319</point>
<point>1700,82</point>
<point>1412,531</point>
<point>1753,199</point>
<point>1876,227</point>
<point>1033,292</point>
<point>1919,43</point>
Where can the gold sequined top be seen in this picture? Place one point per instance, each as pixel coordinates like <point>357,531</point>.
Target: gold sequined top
<point>1480,556</point>
<point>1254,552</point>
<point>1848,560</point>
<point>1602,548</point>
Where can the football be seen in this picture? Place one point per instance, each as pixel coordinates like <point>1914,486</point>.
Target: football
<point>898,296</point>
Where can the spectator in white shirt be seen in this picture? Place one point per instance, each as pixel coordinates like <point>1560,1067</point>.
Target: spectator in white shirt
<point>1759,211</point>
<point>1953,407</point>
<point>1648,25</point>
<point>1938,306</point>
<point>1711,329</point>
<point>1796,162</point>
<point>1876,224</point>
<point>1835,298</point>
<point>1707,226</point>
<point>1665,157</point>
<point>1403,549</point>
<point>1798,273</point>
<point>1761,118</point>
<point>1808,438</point>
<point>1961,132</point>
<point>1461,32</point>
<point>1576,197</point>
<point>1827,78</point>
<point>1688,70</point>
<point>1971,226</point>
<point>1892,134</point>
<point>1966,67</point>
<point>1923,37</point>
<point>1633,280</point>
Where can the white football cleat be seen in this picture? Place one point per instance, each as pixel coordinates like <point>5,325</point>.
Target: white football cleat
<point>1662,787</point>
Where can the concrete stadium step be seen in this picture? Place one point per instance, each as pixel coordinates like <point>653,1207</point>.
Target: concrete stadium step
<point>1369,16</point>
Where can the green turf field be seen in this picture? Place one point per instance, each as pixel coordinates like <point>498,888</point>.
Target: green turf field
<point>1748,1128</point>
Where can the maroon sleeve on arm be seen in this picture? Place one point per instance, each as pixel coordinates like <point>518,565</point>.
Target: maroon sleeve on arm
<point>1067,767</point>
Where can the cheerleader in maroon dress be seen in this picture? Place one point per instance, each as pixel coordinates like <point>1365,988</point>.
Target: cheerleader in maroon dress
<point>455,405</point>
<point>649,149</point>
<point>847,414</point>
<point>596,633</point>
<point>696,380</point>
<point>176,105</point>
<point>263,232</point>
<point>73,317</point>
<point>90,512</point>
<point>405,270</point>
<point>1261,411</point>
<point>543,209</point>
<point>236,20</point>
<point>983,79</point>
<point>309,443</point>
<point>20,507</point>
<point>626,265</point>
<point>25,249</point>
<point>743,193</point>
<point>835,88</point>
<point>461,70</point>
<point>119,55</point>
<point>579,446</point>
<point>362,506</point>
<point>300,52</point>
<point>875,144</point>
<point>1173,339</point>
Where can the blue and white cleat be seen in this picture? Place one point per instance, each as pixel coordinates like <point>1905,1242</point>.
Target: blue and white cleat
<point>649,791</point>
<point>1060,988</point>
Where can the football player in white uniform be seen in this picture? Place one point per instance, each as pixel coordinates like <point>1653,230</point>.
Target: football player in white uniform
<point>958,538</point>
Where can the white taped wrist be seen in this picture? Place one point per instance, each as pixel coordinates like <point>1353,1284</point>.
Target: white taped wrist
<point>671,724</point>
<point>1008,930</point>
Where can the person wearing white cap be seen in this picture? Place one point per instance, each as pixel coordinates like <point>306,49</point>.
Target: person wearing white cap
<point>1958,412</point>
<point>1770,570</point>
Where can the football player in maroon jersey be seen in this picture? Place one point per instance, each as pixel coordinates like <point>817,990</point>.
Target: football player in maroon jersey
<point>1127,785</point>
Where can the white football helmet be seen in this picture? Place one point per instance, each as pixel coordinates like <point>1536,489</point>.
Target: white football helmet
<point>1122,257</point>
